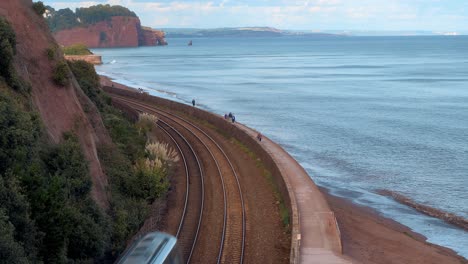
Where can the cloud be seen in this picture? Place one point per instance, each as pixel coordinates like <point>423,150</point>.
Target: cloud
<point>295,14</point>
<point>161,22</point>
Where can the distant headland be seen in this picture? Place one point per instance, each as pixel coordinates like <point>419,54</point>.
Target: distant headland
<point>101,26</point>
<point>240,32</point>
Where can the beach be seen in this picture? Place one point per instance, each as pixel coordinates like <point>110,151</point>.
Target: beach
<point>370,238</point>
<point>367,237</point>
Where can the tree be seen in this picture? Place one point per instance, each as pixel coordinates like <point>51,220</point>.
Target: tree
<point>39,8</point>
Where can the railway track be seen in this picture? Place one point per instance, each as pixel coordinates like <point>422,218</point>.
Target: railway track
<point>231,242</point>
<point>192,213</point>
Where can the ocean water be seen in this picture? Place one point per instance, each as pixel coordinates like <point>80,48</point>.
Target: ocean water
<point>359,114</point>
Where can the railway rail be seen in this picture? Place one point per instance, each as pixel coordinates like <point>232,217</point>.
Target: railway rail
<point>232,238</point>
<point>192,213</point>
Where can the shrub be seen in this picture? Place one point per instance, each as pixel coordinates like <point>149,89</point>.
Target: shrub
<point>124,134</point>
<point>146,122</point>
<point>11,250</point>
<point>89,82</point>
<point>161,151</point>
<point>61,75</point>
<point>19,132</point>
<point>151,180</point>
<point>76,49</point>
<point>7,50</point>
<point>50,52</point>
<point>128,211</point>
<point>62,207</point>
<point>39,8</point>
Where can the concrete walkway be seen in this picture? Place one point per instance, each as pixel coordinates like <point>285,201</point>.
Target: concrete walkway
<point>314,227</point>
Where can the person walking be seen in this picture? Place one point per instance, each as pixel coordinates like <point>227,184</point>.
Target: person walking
<point>259,136</point>
<point>233,118</point>
<point>193,102</point>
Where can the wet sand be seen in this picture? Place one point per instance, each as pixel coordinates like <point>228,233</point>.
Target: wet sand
<point>368,237</point>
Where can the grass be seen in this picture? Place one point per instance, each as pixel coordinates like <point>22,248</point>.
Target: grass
<point>61,74</point>
<point>76,49</point>
<point>283,210</point>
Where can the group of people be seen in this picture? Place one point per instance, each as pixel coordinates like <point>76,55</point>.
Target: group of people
<point>230,116</point>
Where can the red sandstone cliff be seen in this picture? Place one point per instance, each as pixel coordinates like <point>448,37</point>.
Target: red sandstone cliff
<point>121,31</point>
<point>61,108</point>
<point>151,37</point>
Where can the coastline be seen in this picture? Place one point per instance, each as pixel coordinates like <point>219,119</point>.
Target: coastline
<point>368,237</point>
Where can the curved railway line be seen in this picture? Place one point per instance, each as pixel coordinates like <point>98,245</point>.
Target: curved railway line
<point>192,213</point>
<point>232,230</point>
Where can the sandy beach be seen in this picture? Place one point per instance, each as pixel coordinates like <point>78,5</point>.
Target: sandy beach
<point>368,237</point>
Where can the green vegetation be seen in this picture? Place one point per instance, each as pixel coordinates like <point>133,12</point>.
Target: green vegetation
<point>283,210</point>
<point>77,49</point>
<point>7,52</point>
<point>61,205</point>
<point>66,18</point>
<point>61,73</point>
<point>98,13</point>
<point>39,8</point>
<point>62,19</point>
<point>138,174</point>
<point>50,52</point>
<point>47,214</point>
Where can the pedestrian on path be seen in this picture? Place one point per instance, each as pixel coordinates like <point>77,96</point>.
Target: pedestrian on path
<point>233,119</point>
<point>259,136</point>
<point>193,102</point>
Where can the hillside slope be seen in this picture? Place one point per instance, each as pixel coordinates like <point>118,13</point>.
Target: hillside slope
<point>60,107</point>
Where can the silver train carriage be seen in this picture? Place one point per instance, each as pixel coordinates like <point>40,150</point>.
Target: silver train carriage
<point>153,248</point>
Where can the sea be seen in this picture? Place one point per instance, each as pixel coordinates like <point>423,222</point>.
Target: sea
<point>360,114</point>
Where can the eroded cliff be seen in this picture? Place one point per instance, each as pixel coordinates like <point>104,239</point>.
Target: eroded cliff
<point>61,107</point>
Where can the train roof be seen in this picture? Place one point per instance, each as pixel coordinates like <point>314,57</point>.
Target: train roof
<point>151,248</point>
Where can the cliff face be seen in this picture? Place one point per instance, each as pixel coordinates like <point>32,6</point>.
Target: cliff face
<point>151,37</point>
<point>119,32</point>
<point>60,108</point>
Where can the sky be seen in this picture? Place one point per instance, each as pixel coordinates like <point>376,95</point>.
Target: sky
<point>316,15</point>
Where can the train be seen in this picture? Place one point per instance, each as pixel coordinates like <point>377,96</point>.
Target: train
<point>153,248</point>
